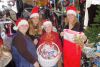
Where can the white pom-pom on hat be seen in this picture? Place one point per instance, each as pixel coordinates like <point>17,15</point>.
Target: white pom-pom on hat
<point>15,28</point>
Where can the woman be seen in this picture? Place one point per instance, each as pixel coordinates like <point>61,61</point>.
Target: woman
<point>23,49</point>
<point>72,51</point>
<point>71,21</point>
<point>50,36</point>
<point>35,29</point>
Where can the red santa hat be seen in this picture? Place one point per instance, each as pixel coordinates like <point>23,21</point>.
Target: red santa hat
<point>71,10</point>
<point>20,22</point>
<point>34,12</point>
<point>46,23</point>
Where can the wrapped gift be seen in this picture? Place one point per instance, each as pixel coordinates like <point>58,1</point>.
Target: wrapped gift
<point>73,36</point>
<point>97,61</point>
<point>48,51</point>
<point>98,47</point>
<point>48,54</point>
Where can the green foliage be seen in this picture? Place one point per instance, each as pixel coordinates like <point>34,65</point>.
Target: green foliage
<point>92,33</point>
<point>97,17</point>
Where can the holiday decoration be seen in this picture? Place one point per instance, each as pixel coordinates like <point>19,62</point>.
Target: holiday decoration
<point>71,52</point>
<point>20,22</point>
<point>46,23</point>
<point>71,10</point>
<point>34,12</point>
<point>90,52</point>
<point>48,54</point>
<point>73,43</point>
<point>48,51</point>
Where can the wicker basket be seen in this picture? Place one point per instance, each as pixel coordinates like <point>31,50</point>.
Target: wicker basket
<point>48,62</point>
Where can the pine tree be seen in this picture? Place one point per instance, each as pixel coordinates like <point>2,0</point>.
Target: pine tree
<point>93,31</point>
<point>97,17</point>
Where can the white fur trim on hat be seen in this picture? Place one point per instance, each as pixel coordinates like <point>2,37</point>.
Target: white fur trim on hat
<point>22,22</point>
<point>34,14</point>
<point>47,23</point>
<point>71,12</point>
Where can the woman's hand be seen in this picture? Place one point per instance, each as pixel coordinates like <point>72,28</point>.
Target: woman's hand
<point>36,64</point>
<point>62,34</point>
<point>84,37</point>
<point>35,41</point>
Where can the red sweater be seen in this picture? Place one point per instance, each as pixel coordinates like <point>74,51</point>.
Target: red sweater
<point>51,37</point>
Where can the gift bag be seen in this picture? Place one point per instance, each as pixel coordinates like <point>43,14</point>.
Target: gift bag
<point>71,51</point>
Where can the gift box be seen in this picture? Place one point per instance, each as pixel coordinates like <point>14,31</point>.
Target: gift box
<point>98,47</point>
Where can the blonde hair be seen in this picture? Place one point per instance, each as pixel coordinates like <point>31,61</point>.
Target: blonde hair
<point>32,29</point>
<point>74,22</point>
